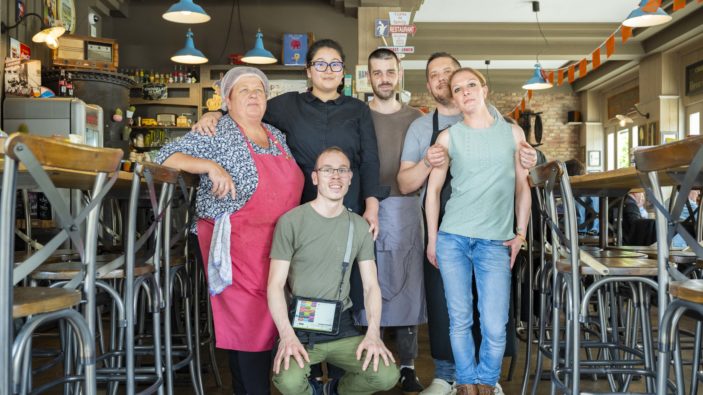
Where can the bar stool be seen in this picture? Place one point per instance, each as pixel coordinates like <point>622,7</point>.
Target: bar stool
<point>50,163</point>
<point>563,281</point>
<point>681,163</point>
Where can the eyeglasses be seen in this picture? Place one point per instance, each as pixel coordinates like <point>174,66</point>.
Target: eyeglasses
<point>329,171</point>
<point>321,66</point>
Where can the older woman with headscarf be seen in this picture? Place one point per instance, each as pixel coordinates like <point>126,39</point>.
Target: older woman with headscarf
<point>248,179</point>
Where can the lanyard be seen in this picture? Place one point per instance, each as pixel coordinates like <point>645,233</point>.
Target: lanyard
<point>347,254</point>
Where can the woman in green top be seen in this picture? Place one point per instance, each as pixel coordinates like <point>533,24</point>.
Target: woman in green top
<point>489,188</point>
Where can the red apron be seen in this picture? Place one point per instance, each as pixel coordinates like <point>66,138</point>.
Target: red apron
<point>240,313</point>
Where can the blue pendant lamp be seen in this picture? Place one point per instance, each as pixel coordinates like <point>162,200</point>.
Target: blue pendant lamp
<point>641,18</point>
<point>185,11</point>
<point>259,54</point>
<point>537,82</point>
<point>189,54</point>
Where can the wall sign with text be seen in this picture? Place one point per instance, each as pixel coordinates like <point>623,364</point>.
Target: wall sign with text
<point>694,79</point>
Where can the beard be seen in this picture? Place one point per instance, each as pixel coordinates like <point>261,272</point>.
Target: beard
<point>443,97</point>
<point>382,95</point>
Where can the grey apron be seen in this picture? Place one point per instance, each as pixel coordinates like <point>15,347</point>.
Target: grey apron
<point>399,257</point>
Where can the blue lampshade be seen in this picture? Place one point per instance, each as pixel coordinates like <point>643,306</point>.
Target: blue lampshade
<point>189,54</point>
<point>537,81</point>
<point>641,18</point>
<point>259,54</point>
<point>185,11</point>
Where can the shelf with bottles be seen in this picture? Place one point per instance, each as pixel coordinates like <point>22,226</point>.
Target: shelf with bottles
<point>178,75</point>
<point>211,73</point>
<point>169,127</point>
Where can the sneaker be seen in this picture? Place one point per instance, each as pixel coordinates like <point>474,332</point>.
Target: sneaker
<point>330,387</point>
<point>316,386</point>
<point>409,382</point>
<point>498,390</point>
<point>439,387</point>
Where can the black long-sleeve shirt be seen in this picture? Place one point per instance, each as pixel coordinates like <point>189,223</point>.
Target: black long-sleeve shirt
<point>312,125</point>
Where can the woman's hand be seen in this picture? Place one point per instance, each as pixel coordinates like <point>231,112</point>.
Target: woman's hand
<point>431,252</point>
<point>515,244</point>
<point>222,182</point>
<point>371,216</point>
<point>207,124</point>
<point>528,155</point>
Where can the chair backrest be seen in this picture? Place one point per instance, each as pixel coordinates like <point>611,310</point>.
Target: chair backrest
<point>552,183</point>
<point>67,162</point>
<point>679,164</point>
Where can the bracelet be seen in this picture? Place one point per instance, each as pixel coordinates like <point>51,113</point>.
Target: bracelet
<point>521,237</point>
<point>426,162</point>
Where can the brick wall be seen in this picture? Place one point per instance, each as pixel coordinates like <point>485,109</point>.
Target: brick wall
<point>559,140</point>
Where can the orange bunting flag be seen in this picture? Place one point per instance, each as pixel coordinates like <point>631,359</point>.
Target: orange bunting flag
<point>522,105</point>
<point>610,46</point>
<point>560,77</point>
<point>516,114</point>
<point>550,77</point>
<point>571,74</point>
<point>596,58</point>
<point>626,33</point>
<point>583,64</point>
<point>679,4</point>
<point>529,94</point>
<point>651,5</point>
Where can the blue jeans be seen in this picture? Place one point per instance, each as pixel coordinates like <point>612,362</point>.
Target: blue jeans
<point>444,370</point>
<point>459,258</point>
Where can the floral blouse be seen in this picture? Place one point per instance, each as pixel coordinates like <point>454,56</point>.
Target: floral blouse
<point>228,147</point>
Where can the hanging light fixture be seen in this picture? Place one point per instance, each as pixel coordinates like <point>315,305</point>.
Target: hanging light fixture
<point>538,80</point>
<point>189,54</point>
<point>48,34</point>
<point>641,18</point>
<point>185,11</point>
<point>259,54</point>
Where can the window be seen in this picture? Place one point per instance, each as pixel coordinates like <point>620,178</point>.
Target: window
<point>694,124</point>
<point>623,148</point>
<point>611,151</point>
<point>634,140</point>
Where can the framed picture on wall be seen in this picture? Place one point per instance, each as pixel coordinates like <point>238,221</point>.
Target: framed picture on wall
<point>50,12</point>
<point>694,78</point>
<point>67,15</point>
<point>593,158</point>
<point>363,85</point>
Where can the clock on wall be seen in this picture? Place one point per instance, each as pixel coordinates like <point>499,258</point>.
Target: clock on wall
<point>67,14</point>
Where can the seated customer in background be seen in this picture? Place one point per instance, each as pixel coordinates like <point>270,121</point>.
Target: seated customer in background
<point>586,206</point>
<point>689,215</point>
<point>310,255</point>
<point>637,230</point>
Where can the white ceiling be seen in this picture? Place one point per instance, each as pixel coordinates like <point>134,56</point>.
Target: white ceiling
<point>577,11</point>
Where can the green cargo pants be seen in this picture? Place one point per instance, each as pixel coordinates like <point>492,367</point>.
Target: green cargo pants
<point>341,353</point>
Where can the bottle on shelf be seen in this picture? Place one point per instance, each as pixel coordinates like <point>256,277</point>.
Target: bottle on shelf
<point>69,85</point>
<point>62,83</point>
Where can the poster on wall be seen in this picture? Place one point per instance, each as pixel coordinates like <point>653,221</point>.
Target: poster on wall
<point>49,12</point>
<point>20,10</point>
<point>363,85</point>
<point>67,15</point>
<point>694,78</point>
<point>295,46</point>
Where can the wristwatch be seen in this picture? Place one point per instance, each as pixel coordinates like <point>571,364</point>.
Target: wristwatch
<point>426,162</point>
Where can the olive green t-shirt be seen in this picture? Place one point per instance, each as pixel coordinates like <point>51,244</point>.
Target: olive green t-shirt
<point>315,245</point>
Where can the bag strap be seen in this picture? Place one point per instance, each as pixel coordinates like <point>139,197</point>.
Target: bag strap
<point>347,254</point>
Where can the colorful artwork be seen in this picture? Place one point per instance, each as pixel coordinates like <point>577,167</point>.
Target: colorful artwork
<point>295,47</point>
<point>67,15</point>
<point>50,12</point>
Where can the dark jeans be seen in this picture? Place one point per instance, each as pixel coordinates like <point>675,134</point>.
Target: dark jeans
<point>250,372</point>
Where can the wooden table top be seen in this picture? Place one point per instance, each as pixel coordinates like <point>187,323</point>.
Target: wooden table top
<point>612,182</point>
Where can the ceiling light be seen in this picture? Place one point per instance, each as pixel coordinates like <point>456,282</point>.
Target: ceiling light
<point>185,11</point>
<point>623,120</point>
<point>537,82</point>
<point>259,54</point>
<point>641,18</point>
<point>189,54</point>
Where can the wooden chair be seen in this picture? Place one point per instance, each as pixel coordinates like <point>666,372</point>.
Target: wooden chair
<point>682,162</point>
<point>609,349</point>
<point>48,162</point>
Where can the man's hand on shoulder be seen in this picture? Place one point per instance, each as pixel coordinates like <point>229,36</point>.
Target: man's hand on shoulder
<point>375,350</point>
<point>207,124</point>
<point>289,346</point>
